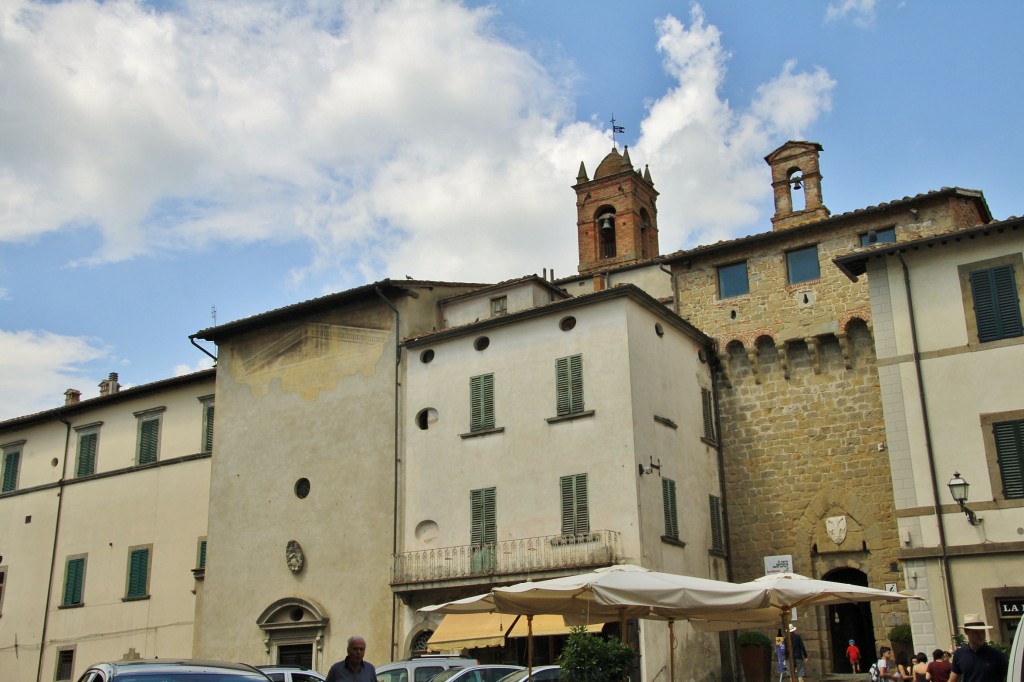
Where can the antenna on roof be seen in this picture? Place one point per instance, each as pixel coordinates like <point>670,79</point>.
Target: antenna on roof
<point>616,129</point>
<point>213,314</point>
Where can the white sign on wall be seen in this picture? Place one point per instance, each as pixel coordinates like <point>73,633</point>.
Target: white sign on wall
<point>781,563</point>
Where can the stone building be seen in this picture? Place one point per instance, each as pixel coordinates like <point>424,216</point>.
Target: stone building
<point>803,435</point>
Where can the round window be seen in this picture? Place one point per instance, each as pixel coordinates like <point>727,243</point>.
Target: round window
<point>302,488</point>
<point>567,323</point>
<point>481,343</point>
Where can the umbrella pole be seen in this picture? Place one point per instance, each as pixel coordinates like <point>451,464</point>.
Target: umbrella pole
<point>622,625</point>
<point>789,645</point>
<point>529,648</point>
<point>672,651</point>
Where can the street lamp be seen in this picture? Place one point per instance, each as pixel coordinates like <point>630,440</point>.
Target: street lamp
<point>958,489</point>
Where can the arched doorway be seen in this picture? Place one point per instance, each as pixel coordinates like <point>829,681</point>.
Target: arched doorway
<point>850,621</point>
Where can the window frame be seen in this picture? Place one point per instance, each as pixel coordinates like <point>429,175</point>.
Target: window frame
<point>795,262</point>
<point>574,503</point>
<point>132,578</point>
<point>481,403</point>
<point>201,552</point>
<point>988,424</point>
<point>209,416</point>
<point>3,587</point>
<point>73,596</point>
<point>569,394</point>
<point>707,405</point>
<point>499,306</point>
<point>670,509</point>
<point>722,272</point>
<point>145,417</point>
<point>64,662</point>
<point>11,474</point>
<point>1002,309</point>
<point>864,237</point>
<point>82,433</point>
<point>717,524</point>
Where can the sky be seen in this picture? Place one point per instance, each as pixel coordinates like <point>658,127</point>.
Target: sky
<point>170,165</point>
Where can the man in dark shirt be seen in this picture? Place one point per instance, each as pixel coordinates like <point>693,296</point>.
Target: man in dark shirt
<point>353,668</point>
<point>978,662</point>
<point>939,668</point>
<point>799,653</point>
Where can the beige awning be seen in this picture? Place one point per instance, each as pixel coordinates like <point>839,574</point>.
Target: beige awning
<point>471,630</point>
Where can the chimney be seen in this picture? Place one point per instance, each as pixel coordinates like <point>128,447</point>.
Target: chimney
<point>72,397</point>
<point>110,386</point>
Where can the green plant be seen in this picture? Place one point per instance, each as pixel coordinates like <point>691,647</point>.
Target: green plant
<point>592,658</point>
<point>960,639</point>
<point>901,633</point>
<point>999,645</point>
<point>753,637</point>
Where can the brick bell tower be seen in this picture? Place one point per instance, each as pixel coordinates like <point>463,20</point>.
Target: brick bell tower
<point>796,182</point>
<point>616,216</point>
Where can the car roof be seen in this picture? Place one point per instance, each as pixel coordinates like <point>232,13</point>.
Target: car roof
<point>166,665</point>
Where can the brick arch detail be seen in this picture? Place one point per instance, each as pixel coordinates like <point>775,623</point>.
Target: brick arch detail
<point>747,338</point>
<point>863,314</point>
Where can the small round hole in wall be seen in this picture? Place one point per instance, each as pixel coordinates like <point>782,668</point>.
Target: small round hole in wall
<point>701,355</point>
<point>426,418</point>
<point>296,613</point>
<point>567,323</point>
<point>658,329</point>
<point>54,462</point>
<point>302,488</point>
<point>732,314</point>
<point>481,343</point>
<point>427,355</point>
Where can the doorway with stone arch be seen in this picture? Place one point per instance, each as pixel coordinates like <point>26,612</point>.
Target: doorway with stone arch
<point>850,621</point>
<point>293,632</point>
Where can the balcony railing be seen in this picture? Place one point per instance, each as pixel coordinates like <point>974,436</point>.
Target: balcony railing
<point>507,557</point>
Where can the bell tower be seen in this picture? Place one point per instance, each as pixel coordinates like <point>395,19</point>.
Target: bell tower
<point>796,182</point>
<point>616,215</point>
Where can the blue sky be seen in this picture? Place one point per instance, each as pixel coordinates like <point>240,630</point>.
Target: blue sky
<point>161,159</point>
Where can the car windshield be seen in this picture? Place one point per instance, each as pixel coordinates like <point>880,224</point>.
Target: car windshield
<point>189,677</point>
<point>445,675</point>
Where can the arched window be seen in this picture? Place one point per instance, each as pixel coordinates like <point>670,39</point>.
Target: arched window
<point>606,231</point>
<point>797,192</point>
<point>645,236</point>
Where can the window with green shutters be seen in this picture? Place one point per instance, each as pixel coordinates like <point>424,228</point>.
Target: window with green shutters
<point>201,554</point>
<point>481,402</point>
<point>87,445</point>
<point>717,524</point>
<point>208,427</point>
<point>708,410</point>
<point>668,499</point>
<point>74,581</point>
<point>575,505</point>
<point>138,573</point>
<point>149,440</point>
<point>12,461</point>
<point>996,303</point>
<point>1009,437</point>
<point>569,385</point>
<point>483,534</point>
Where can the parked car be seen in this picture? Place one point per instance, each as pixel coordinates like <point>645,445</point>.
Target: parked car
<point>172,670</point>
<point>542,673</point>
<point>421,668</point>
<point>291,673</point>
<point>476,673</point>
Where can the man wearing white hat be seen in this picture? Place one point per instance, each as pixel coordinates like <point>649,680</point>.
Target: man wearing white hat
<point>978,662</point>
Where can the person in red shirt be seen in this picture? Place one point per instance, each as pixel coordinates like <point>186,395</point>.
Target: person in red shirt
<point>853,655</point>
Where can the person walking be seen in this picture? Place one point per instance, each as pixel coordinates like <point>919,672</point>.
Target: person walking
<point>920,667</point>
<point>799,653</point>
<point>977,661</point>
<point>939,668</point>
<point>353,668</point>
<point>885,664</point>
<point>853,656</point>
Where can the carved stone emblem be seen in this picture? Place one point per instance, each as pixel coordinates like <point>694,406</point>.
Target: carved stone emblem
<point>294,557</point>
<point>835,526</point>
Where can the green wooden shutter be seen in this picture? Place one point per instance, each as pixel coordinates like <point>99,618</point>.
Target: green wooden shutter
<point>668,498</point>
<point>202,554</point>
<point>707,406</point>
<point>717,536</point>
<point>996,305</point>
<point>74,582</point>
<point>1009,438</point>
<point>208,430</point>
<point>11,462</point>
<point>575,505</point>
<point>149,440</point>
<point>481,402</point>
<point>87,454</point>
<point>569,384</point>
<point>138,572</point>
<point>483,531</point>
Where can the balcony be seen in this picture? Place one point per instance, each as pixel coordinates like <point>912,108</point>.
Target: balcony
<point>468,564</point>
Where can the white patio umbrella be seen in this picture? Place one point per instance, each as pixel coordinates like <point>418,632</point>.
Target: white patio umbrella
<point>614,593</point>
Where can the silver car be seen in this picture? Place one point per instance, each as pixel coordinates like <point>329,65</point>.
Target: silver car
<point>291,673</point>
<point>171,670</point>
<point>476,673</point>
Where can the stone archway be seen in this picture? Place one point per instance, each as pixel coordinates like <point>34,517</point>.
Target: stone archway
<point>850,622</point>
<point>293,630</point>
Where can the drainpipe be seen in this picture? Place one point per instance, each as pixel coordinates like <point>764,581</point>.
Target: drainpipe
<point>928,449</point>
<point>193,340</point>
<point>56,536</point>
<point>394,511</point>
<point>720,454</point>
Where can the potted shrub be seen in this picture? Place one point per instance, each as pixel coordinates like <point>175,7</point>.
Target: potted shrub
<point>901,640</point>
<point>755,655</point>
<point>592,658</point>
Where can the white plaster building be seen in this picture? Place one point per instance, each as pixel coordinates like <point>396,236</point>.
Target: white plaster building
<point>102,524</point>
<point>950,345</point>
<point>552,439</point>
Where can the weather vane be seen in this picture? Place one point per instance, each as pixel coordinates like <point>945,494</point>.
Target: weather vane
<point>616,129</point>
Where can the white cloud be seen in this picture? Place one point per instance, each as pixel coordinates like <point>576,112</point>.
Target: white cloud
<point>709,152</point>
<point>861,12</point>
<point>201,364</point>
<point>379,133</point>
<point>37,367</point>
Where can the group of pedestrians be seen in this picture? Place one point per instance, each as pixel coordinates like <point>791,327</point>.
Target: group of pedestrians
<point>977,661</point>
